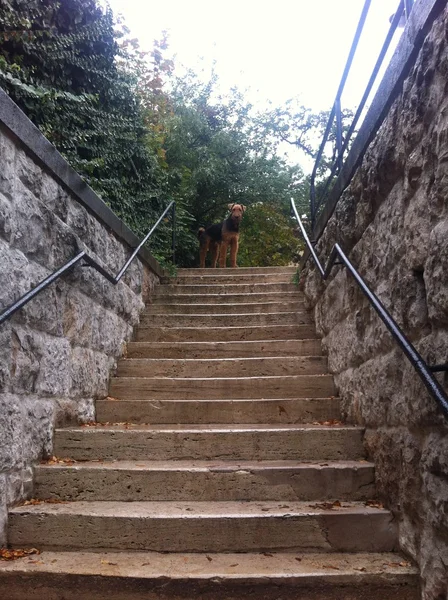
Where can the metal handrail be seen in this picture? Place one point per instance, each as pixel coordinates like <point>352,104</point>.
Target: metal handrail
<point>424,371</point>
<point>404,8</point>
<point>90,262</point>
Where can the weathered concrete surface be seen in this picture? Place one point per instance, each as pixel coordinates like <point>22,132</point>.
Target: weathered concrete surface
<point>229,333</point>
<point>196,388</point>
<point>222,367</point>
<point>162,297</point>
<point>234,279</point>
<point>154,576</point>
<point>225,309</point>
<point>201,321</point>
<point>244,349</point>
<point>230,288</point>
<point>126,481</point>
<point>211,442</point>
<point>393,223</point>
<point>194,273</point>
<point>57,353</point>
<point>275,410</point>
<point>203,527</point>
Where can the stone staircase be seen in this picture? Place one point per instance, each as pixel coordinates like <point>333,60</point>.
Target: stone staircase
<point>218,468</point>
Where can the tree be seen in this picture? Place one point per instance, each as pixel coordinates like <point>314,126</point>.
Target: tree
<point>62,64</point>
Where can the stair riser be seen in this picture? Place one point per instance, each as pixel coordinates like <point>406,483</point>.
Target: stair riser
<point>301,444</point>
<point>224,334</point>
<point>215,298</point>
<point>300,483</point>
<point>204,321</point>
<point>223,290</point>
<point>248,367</point>
<point>295,533</point>
<point>109,586</point>
<point>295,410</point>
<point>229,309</point>
<point>203,350</point>
<point>223,279</point>
<point>300,386</point>
<point>238,271</point>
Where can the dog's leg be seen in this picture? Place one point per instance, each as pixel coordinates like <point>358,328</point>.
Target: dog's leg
<point>203,251</point>
<point>214,249</point>
<point>233,251</point>
<point>223,254</point>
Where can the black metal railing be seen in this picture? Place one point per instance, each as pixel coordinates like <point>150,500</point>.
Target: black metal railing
<point>425,372</point>
<point>317,200</point>
<point>91,262</point>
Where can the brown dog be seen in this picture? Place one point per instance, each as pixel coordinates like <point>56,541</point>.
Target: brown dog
<point>217,238</point>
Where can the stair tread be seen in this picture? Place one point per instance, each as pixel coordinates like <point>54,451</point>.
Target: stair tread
<point>232,509</point>
<point>273,565</point>
<point>207,465</point>
<point>207,428</point>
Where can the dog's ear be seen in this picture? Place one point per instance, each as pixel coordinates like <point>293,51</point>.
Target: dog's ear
<point>243,207</point>
<point>230,206</point>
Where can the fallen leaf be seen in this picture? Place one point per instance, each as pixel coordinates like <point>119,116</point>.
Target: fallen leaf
<point>327,505</point>
<point>331,567</point>
<point>7,554</point>
<point>267,554</point>
<point>374,504</point>
<point>297,558</point>
<point>235,565</point>
<point>107,562</point>
<point>209,558</point>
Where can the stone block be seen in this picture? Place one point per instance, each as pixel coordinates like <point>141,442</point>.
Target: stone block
<point>90,373</point>
<point>38,415</point>
<point>436,274</point>
<point>8,150</point>
<point>3,510</point>
<point>28,172</point>
<point>6,217</point>
<point>11,432</point>
<point>54,197</point>
<point>14,277</point>
<point>5,356</point>
<point>54,374</point>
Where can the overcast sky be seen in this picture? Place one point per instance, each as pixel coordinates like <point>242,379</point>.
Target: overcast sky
<point>279,49</point>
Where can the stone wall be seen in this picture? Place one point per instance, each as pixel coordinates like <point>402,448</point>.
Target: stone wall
<point>393,223</point>
<point>57,353</point>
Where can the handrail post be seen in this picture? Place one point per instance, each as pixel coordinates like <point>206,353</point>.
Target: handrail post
<point>174,232</point>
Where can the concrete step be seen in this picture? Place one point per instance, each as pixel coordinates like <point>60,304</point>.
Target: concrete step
<point>224,334</point>
<point>230,576</point>
<point>283,410</point>
<point>219,308</point>
<point>224,320</point>
<point>127,481</point>
<point>229,288</point>
<point>203,527</point>
<point>245,349</point>
<point>237,271</point>
<point>222,367</point>
<point>222,278</point>
<point>198,388</point>
<point>210,442</point>
<point>161,298</point>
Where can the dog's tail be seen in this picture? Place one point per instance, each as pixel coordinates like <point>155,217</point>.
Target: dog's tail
<point>200,232</point>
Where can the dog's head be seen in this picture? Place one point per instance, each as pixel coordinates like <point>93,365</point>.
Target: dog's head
<point>236,212</point>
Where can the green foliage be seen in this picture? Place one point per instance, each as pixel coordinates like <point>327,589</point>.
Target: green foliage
<point>61,62</point>
<point>267,238</point>
<point>79,76</point>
